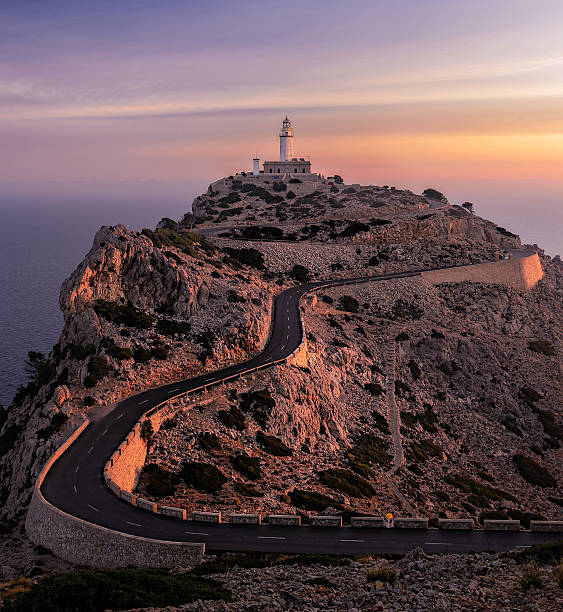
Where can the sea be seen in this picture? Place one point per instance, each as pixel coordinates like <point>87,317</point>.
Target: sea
<point>44,238</point>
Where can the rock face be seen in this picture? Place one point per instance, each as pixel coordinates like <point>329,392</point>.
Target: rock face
<point>146,308</point>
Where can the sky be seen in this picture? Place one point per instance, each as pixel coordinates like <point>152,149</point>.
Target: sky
<point>123,97</point>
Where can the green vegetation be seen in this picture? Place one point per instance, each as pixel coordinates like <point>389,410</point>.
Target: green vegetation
<point>203,476</point>
<point>147,430</point>
<point>80,352</point>
<point>123,314</point>
<point>349,303</point>
<point>160,351</point>
<point>232,418</point>
<point>416,372</point>
<point>88,590</point>
<point>300,273</point>
<point>234,297</point>
<point>266,232</point>
<point>169,327</point>
<point>542,346</point>
<point>484,491</point>
<point>272,445</point>
<point>259,403</point>
<point>120,352</point>
<point>142,355</point>
<point>368,450</point>
<point>353,228</point>
<point>374,388</point>
<point>525,517</point>
<point>186,241</point>
<point>210,441</point>
<point>159,481</point>
<point>248,466</point>
<point>247,490</point>
<point>505,232</point>
<point>57,421</point>
<point>98,369</point>
<point>533,472</point>
<point>530,577</point>
<point>427,419</point>
<point>311,500</point>
<point>248,257</point>
<point>347,482</point>
<point>434,194</point>
<point>540,553</point>
<point>384,573</point>
<point>421,450</point>
<point>380,423</point>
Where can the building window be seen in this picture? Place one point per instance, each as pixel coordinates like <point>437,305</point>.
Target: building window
<point>295,171</point>
<point>303,170</point>
<point>278,170</point>
<point>270,171</point>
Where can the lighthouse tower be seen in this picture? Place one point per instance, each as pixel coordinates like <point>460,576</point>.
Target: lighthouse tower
<point>286,141</point>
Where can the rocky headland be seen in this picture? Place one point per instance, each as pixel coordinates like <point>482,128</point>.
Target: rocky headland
<point>475,374</point>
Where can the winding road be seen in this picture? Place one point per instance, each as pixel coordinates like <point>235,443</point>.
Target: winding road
<point>75,482</point>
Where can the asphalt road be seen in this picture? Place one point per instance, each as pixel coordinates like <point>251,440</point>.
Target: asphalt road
<point>75,482</point>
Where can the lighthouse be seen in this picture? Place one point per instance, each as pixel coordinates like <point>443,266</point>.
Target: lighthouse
<point>286,141</point>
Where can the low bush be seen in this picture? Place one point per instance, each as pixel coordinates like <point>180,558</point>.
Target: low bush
<point>80,352</point>
<point>374,388</point>
<point>347,482</point>
<point>203,476</point>
<point>300,273</point>
<point>539,553</point>
<point>530,577</point>
<point>469,485</point>
<point>311,500</point>
<point>259,403</point>
<point>542,346</point>
<point>272,445</point>
<point>384,573</point>
<point>532,472</point>
<point>57,421</point>
<point>247,490</point>
<point>234,297</point>
<point>551,427</point>
<point>416,372</point>
<point>159,482</point>
<point>160,351</point>
<point>123,314</point>
<point>368,450</point>
<point>232,418</point>
<point>349,303</point>
<point>169,327</point>
<point>248,466</point>
<point>141,355</point>
<point>248,257</point>
<point>120,352</point>
<point>353,228</point>
<point>381,422</point>
<point>90,590</point>
<point>98,369</point>
<point>422,450</point>
<point>210,441</point>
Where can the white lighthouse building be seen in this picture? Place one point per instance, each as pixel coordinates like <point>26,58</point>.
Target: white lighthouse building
<point>287,164</point>
<point>286,141</point>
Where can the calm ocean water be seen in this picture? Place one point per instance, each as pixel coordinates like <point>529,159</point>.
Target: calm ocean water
<point>41,243</point>
<point>43,239</point>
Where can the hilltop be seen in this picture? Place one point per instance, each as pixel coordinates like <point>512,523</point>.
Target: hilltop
<point>476,380</point>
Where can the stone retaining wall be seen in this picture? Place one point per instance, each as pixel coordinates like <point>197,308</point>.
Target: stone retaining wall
<point>501,525</point>
<point>546,526</point>
<point>85,543</point>
<point>518,272</point>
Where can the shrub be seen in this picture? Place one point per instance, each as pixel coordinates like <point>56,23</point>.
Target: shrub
<point>210,441</point>
<point>530,577</point>
<point>89,400</point>
<point>415,369</point>
<point>120,352</point>
<point>505,232</point>
<point>550,425</point>
<point>147,430</point>
<point>160,351</point>
<point>90,590</point>
<point>79,352</point>
<point>248,257</point>
<point>368,450</point>
<point>260,403</point>
<point>300,273</point>
<point>203,476</point>
<point>380,422</point>
<point>98,369</point>
<point>248,466</point>
<point>421,451</point>
<point>469,485</point>
<point>272,445</point>
<point>542,346</point>
<point>533,472</point>
<point>402,336</point>
<point>57,421</point>
<point>353,228</point>
<point>383,573</point>
<point>247,490</point>
<point>347,482</point>
<point>311,500</point>
<point>434,194</point>
<point>159,481</point>
<point>349,303</point>
<point>123,314</point>
<point>374,388</point>
<point>290,195</point>
<point>232,418</point>
<point>169,327</point>
<point>142,355</point>
<point>281,186</point>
